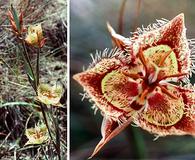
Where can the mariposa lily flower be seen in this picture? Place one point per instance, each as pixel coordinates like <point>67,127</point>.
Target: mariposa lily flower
<point>50,95</point>
<point>37,135</point>
<point>141,82</point>
<point>35,36</point>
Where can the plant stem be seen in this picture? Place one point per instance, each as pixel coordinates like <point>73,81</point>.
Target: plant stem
<point>46,122</point>
<point>27,59</point>
<point>44,153</point>
<point>136,141</point>
<point>37,66</point>
<point>57,134</point>
<point>49,131</point>
<point>55,120</point>
<point>121,15</point>
<point>137,14</point>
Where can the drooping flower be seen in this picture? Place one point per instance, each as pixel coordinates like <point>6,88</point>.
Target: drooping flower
<point>139,83</point>
<point>50,95</point>
<point>35,36</point>
<point>37,135</point>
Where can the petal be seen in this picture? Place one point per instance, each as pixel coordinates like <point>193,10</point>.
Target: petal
<point>187,123</point>
<point>91,80</point>
<point>119,89</point>
<point>173,35</point>
<point>162,110</point>
<point>29,132</point>
<point>185,126</point>
<point>110,89</point>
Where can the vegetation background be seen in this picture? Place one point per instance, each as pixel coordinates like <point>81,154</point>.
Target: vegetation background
<point>88,34</point>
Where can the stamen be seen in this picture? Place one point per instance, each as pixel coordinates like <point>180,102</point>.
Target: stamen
<point>134,76</point>
<point>142,58</point>
<point>166,91</point>
<point>174,75</point>
<point>164,58</point>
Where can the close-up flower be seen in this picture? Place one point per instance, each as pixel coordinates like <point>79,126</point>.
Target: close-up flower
<point>37,135</point>
<point>145,82</point>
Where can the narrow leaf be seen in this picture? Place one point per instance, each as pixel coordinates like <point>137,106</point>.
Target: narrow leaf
<point>16,104</point>
<point>16,18</point>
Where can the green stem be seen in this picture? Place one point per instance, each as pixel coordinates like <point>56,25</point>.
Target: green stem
<point>27,59</point>
<point>49,131</point>
<point>45,119</point>
<point>121,16</point>
<point>44,153</point>
<point>57,133</point>
<point>136,142</point>
<point>37,66</point>
<point>55,121</point>
<point>58,136</point>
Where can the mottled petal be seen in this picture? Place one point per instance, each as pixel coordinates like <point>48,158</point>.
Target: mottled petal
<point>173,35</point>
<point>186,123</point>
<point>91,81</point>
<point>163,110</point>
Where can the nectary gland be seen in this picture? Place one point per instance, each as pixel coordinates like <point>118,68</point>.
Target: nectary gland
<point>119,89</point>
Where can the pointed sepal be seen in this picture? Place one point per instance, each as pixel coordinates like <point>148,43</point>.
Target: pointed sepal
<point>109,130</point>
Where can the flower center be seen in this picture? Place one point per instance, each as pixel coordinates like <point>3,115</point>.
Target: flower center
<point>130,89</point>
<point>159,64</point>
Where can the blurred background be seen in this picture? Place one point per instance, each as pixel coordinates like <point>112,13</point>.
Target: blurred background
<point>89,33</point>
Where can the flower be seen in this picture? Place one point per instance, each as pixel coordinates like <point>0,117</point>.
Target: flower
<point>37,135</point>
<point>50,95</point>
<point>35,36</point>
<point>137,83</point>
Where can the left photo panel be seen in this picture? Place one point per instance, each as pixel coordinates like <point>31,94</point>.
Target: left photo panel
<point>33,79</point>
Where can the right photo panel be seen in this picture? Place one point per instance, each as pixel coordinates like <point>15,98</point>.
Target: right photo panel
<point>132,65</point>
